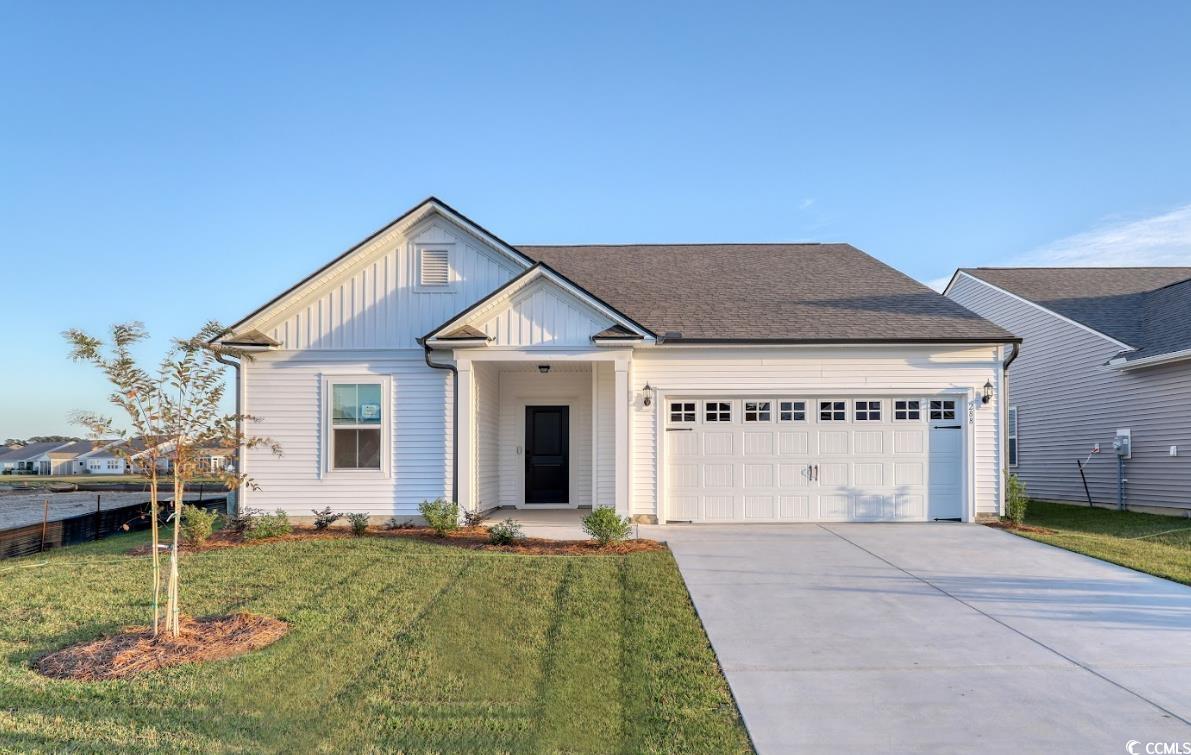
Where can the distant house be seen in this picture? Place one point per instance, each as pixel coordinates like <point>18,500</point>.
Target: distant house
<point>31,459</point>
<point>1106,357</point>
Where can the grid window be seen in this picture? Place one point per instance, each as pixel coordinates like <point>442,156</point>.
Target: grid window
<point>868,411</point>
<point>791,411</point>
<point>757,411</point>
<point>832,411</point>
<point>942,409</point>
<point>1011,436</point>
<point>907,409</point>
<point>718,411</point>
<point>355,425</point>
<point>682,411</point>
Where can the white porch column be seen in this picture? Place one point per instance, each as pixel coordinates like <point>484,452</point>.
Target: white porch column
<point>465,429</point>
<point>621,434</point>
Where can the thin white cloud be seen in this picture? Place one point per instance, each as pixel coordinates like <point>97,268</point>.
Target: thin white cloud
<point>1158,240</point>
<point>1154,241</point>
<point>806,203</point>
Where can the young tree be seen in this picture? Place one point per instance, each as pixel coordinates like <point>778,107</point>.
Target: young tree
<point>138,394</point>
<point>177,410</point>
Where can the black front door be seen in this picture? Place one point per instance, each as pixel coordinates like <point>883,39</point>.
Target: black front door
<point>547,454</point>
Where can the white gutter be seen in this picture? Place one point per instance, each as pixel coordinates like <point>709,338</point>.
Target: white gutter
<point>1120,363</point>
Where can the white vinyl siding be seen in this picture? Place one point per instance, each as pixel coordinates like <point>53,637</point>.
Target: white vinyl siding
<point>378,302</point>
<point>1068,400</point>
<point>863,372</point>
<point>487,412</point>
<point>284,391</point>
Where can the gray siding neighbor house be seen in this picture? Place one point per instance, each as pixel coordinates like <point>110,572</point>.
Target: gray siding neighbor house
<point>1105,352</point>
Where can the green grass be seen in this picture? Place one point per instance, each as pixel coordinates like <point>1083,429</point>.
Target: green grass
<point>394,645</point>
<point>1158,545</point>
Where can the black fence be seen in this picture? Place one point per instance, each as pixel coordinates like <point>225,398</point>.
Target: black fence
<point>85,528</point>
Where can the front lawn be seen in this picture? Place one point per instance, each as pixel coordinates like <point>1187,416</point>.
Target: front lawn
<point>394,644</point>
<point>1159,545</point>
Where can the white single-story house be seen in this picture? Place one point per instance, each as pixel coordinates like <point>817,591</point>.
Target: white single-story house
<point>32,458</point>
<point>701,383</point>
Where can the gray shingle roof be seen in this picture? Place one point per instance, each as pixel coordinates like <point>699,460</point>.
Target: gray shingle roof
<point>765,292</point>
<point>31,451</point>
<point>1148,308</point>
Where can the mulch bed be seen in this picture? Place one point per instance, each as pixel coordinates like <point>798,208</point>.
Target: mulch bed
<point>1002,525</point>
<point>136,650</point>
<point>472,538</point>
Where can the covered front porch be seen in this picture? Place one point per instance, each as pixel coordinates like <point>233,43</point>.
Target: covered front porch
<point>543,430</point>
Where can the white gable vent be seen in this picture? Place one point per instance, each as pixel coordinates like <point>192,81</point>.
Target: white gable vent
<point>435,267</point>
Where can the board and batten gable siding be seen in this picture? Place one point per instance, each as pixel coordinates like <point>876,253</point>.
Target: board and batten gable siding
<point>539,314</point>
<point>284,391</point>
<point>816,372</point>
<point>377,302</point>
<point>1068,399</point>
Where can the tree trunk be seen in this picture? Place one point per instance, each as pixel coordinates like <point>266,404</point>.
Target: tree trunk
<point>156,555</point>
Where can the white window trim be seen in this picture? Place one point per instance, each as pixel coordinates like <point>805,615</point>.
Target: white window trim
<point>731,412</point>
<point>923,410</point>
<point>847,410</point>
<point>670,412</point>
<point>808,407</point>
<point>744,411</point>
<point>386,432</point>
<point>957,408</point>
<point>868,402</point>
<point>449,248</point>
<point>1011,434</point>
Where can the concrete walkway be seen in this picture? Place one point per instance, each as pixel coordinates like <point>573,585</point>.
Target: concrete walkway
<point>936,638</point>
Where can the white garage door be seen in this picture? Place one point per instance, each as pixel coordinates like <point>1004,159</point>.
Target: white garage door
<point>814,459</point>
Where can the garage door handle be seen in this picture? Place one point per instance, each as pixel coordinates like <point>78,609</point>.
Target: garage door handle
<point>949,427</point>
<point>680,429</point>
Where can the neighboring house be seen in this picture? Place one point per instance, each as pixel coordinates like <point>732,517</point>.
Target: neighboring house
<point>1106,352</point>
<point>113,459</point>
<point>715,382</point>
<point>32,458</point>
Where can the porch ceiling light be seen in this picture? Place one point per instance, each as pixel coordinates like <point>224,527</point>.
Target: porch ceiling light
<point>543,368</point>
<point>988,392</point>
<point>647,391</point>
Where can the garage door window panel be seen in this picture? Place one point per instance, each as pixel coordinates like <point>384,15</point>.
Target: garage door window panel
<point>758,411</point>
<point>791,411</point>
<point>718,411</point>
<point>867,411</point>
<point>682,412</point>
<point>907,411</point>
<point>942,409</point>
<point>833,411</point>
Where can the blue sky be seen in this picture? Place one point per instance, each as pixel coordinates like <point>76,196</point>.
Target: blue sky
<point>174,164</point>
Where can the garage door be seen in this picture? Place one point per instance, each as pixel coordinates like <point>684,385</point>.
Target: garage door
<point>813,459</point>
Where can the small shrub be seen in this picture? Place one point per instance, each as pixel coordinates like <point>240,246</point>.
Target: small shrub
<point>505,533</point>
<point>606,526</point>
<point>325,518</point>
<point>442,516</point>
<point>398,524</point>
<point>359,523</point>
<point>197,524</point>
<point>1016,499</point>
<point>268,525</point>
<point>240,521</point>
<point>473,518</point>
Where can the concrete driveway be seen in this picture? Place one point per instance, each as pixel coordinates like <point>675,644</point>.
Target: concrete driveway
<point>936,638</point>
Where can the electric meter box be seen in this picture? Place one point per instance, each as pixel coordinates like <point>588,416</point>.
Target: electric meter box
<point>1123,444</point>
